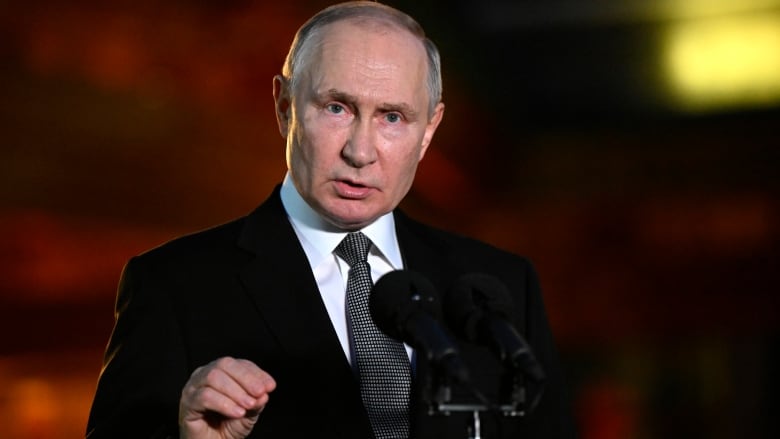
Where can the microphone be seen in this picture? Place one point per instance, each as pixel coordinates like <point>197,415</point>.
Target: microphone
<point>479,306</point>
<point>405,306</point>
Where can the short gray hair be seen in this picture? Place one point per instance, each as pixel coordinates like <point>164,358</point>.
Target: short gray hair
<point>308,36</point>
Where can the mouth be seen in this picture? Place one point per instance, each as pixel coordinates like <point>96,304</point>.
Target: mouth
<point>352,189</point>
<point>352,183</point>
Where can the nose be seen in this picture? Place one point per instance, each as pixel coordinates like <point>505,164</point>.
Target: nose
<point>360,148</point>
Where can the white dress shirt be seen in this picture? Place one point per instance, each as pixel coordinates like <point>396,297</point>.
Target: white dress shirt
<point>319,239</point>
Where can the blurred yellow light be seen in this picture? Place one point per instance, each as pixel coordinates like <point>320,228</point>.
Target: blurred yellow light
<point>725,62</point>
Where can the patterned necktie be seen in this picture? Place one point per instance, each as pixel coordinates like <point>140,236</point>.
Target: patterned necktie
<point>382,362</point>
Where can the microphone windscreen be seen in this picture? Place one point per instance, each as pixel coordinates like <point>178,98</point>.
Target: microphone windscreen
<point>471,297</point>
<point>398,295</point>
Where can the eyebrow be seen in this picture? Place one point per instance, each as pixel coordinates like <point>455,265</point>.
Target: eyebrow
<point>339,95</point>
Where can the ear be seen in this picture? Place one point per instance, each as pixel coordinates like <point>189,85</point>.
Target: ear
<point>430,128</point>
<point>282,104</point>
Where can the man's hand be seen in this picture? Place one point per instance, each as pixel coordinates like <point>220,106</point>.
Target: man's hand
<point>223,399</point>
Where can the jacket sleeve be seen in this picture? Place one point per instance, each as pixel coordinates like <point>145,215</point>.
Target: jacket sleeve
<point>144,368</point>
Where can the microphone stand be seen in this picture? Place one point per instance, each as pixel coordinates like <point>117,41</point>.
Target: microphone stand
<point>438,397</point>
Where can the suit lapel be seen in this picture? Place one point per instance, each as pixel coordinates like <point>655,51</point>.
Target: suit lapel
<point>282,287</point>
<point>423,253</point>
<point>286,295</point>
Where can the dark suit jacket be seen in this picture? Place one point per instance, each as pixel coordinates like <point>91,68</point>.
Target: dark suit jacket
<point>245,289</point>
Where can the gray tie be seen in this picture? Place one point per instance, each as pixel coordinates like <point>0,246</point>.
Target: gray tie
<point>382,362</point>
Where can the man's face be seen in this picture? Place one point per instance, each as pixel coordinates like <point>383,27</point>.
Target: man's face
<point>358,123</point>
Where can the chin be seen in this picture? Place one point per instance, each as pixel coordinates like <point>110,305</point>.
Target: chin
<point>346,217</point>
<point>350,222</point>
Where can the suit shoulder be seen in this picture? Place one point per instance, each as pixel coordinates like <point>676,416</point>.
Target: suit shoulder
<point>204,243</point>
<point>466,250</point>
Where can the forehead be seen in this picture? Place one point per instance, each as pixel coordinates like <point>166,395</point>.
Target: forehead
<point>369,53</point>
<point>357,29</point>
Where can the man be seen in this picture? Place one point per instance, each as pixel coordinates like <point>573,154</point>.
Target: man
<point>246,330</point>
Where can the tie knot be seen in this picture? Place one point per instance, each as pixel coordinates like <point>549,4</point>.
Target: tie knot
<point>354,248</point>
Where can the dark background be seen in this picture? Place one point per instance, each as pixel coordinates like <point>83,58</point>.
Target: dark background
<point>654,223</point>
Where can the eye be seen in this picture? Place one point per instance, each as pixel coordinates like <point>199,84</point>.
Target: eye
<point>393,117</point>
<point>335,108</point>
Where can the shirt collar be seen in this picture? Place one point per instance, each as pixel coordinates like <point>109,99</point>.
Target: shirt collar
<point>319,238</point>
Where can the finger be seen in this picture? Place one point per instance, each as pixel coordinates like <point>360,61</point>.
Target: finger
<point>207,399</point>
<point>241,380</point>
<point>224,382</point>
<point>209,387</point>
<point>226,386</point>
<point>253,380</point>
